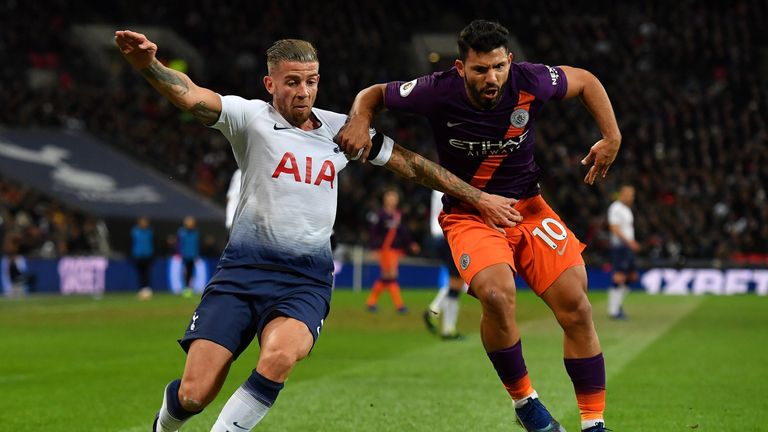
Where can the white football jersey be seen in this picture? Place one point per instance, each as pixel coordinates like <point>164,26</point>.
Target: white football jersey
<point>621,215</point>
<point>289,188</point>
<point>288,198</point>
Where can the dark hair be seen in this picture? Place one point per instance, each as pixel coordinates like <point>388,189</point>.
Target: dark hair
<point>290,50</point>
<point>482,36</point>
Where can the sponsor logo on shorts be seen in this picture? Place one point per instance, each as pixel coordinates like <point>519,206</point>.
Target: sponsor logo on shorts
<point>562,250</point>
<point>519,117</point>
<point>193,326</point>
<point>406,88</point>
<point>464,261</point>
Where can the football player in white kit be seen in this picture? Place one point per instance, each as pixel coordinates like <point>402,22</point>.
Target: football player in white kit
<point>274,278</point>
<point>233,197</point>
<point>446,301</point>
<point>623,247</point>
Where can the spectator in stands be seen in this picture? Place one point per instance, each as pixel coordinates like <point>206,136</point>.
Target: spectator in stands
<point>143,253</point>
<point>687,87</point>
<point>188,246</point>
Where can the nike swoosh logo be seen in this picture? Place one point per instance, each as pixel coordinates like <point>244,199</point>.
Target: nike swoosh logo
<point>562,251</point>
<point>452,124</point>
<point>276,127</point>
<point>238,426</point>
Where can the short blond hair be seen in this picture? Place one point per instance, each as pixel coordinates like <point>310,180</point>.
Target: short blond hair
<point>290,50</point>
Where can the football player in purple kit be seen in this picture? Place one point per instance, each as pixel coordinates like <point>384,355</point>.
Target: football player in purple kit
<point>483,114</point>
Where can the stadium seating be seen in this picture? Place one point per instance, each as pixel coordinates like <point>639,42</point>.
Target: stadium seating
<point>685,82</point>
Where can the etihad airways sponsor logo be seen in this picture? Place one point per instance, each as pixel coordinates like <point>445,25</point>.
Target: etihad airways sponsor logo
<point>486,148</point>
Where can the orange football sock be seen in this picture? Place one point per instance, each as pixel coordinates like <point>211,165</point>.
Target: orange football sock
<point>376,291</point>
<point>394,291</point>
<point>519,389</point>
<point>591,405</point>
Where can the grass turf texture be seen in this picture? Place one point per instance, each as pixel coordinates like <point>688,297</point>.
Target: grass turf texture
<point>679,363</point>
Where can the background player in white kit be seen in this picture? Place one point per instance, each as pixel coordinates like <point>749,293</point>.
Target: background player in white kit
<point>446,301</point>
<point>233,197</point>
<point>274,277</point>
<point>623,247</point>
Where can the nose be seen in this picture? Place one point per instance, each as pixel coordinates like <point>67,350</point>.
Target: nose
<point>491,77</point>
<point>302,91</point>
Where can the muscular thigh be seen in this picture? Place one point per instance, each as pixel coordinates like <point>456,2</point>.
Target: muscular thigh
<point>475,246</point>
<point>207,364</point>
<point>287,334</point>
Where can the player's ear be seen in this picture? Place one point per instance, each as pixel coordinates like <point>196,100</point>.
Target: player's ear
<point>269,84</point>
<point>459,67</point>
<point>510,57</point>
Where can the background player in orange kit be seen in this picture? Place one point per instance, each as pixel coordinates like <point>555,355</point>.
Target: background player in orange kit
<point>483,114</point>
<point>389,237</point>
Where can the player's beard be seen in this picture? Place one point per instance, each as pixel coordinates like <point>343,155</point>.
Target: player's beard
<point>477,95</point>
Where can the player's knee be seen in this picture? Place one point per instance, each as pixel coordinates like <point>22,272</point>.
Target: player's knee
<point>279,359</point>
<point>576,314</point>
<point>195,395</point>
<point>497,297</point>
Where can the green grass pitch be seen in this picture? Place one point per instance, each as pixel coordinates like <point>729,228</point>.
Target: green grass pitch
<point>679,364</point>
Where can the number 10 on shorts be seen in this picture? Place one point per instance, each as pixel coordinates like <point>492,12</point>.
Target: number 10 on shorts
<point>553,231</point>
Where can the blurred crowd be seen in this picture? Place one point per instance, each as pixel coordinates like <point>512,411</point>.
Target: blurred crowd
<point>685,79</point>
<point>32,224</point>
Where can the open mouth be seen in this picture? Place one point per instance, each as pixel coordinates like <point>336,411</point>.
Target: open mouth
<point>490,92</point>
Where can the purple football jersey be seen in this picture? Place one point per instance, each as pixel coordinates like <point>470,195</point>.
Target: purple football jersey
<point>490,149</point>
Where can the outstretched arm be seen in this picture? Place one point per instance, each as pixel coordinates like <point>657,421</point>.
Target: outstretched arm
<point>354,135</point>
<point>587,87</point>
<point>139,51</point>
<point>496,211</point>
<point>626,240</point>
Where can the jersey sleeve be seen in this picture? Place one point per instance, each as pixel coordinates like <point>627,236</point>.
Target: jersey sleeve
<point>547,82</point>
<point>416,96</point>
<point>236,113</point>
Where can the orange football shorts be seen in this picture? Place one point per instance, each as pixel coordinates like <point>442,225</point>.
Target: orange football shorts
<point>540,248</point>
<point>388,259</point>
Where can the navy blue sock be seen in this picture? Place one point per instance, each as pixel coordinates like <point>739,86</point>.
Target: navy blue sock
<point>174,405</point>
<point>263,389</point>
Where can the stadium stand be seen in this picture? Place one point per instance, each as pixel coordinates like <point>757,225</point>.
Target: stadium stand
<point>684,77</point>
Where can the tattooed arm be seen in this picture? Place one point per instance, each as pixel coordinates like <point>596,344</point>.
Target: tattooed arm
<point>496,211</point>
<point>139,51</point>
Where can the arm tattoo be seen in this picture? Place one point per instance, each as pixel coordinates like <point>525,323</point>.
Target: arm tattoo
<point>166,80</point>
<point>204,114</point>
<point>416,168</point>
